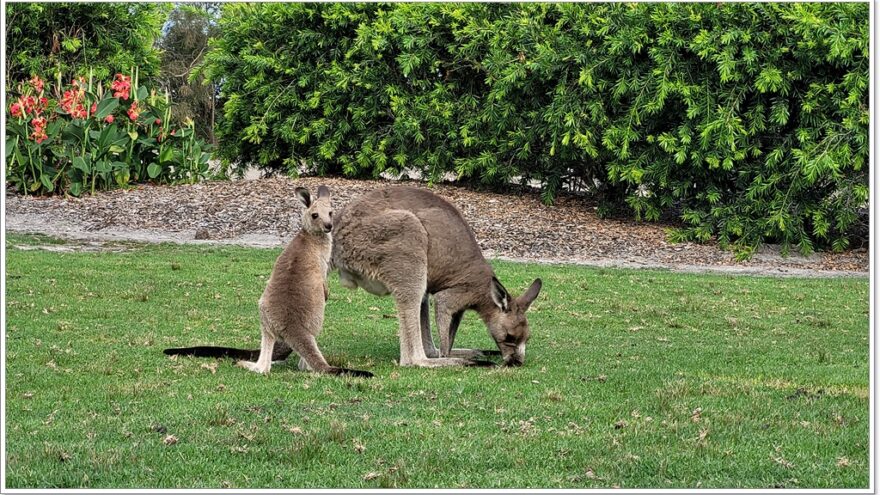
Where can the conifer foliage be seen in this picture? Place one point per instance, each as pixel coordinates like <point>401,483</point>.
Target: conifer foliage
<point>750,120</point>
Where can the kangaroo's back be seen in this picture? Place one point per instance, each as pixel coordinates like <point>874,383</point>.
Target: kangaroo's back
<point>452,253</point>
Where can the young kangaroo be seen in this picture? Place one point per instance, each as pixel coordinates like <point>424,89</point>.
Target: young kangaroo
<point>292,305</point>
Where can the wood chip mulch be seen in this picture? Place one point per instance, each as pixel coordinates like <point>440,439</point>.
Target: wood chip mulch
<point>507,225</point>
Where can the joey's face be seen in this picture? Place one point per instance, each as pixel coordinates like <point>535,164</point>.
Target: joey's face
<point>318,216</point>
<point>508,325</point>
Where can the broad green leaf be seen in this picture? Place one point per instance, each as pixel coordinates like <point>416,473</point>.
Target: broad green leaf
<point>76,188</point>
<point>106,107</point>
<point>80,163</point>
<point>154,169</point>
<point>47,182</point>
<point>166,154</point>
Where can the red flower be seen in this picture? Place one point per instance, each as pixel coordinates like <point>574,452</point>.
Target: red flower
<point>134,111</point>
<point>71,102</point>
<point>121,86</point>
<point>27,105</point>
<point>108,119</point>
<point>94,108</point>
<point>39,133</point>
<point>158,121</point>
<point>30,105</point>
<point>173,131</point>
<point>37,83</point>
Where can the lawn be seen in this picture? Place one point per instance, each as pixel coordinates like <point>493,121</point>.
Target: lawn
<point>633,378</point>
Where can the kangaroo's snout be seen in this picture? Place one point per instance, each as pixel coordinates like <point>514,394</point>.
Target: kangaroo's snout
<point>513,356</point>
<point>328,227</point>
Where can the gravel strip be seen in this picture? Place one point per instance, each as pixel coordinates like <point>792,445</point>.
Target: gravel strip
<point>265,213</point>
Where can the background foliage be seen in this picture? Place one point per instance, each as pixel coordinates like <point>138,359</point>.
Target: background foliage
<point>749,121</point>
<point>44,38</point>
<point>183,45</point>
<point>89,136</point>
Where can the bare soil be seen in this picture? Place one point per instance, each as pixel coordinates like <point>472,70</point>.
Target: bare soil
<point>265,213</point>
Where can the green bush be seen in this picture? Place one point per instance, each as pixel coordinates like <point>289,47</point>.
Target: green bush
<point>89,136</point>
<point>47,38</point>
<point>749,120</point>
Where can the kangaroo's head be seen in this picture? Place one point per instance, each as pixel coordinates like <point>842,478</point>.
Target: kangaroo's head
<point>507,322</point>
<point>318,216</point>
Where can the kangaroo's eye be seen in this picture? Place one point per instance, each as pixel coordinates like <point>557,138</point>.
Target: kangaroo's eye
<point>331,214</point>
<point>314,215</point>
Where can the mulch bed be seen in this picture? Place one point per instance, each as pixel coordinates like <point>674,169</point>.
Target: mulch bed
<point>507,225</point>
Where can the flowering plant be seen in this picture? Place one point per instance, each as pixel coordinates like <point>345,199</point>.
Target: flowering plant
<point>76,137</point>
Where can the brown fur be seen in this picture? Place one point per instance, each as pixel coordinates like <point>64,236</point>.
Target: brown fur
<point>292,305</point>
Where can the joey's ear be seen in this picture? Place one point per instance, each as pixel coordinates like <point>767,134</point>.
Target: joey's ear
<point>526,299</point>
<point>323,192</point>
<point>500,296</point>
<point>304,196</point>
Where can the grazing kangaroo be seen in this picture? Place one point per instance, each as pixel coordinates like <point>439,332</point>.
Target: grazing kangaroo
<point>412,243</point>
<point>292,305</point>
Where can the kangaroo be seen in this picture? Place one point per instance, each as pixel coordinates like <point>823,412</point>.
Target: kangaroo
<point>411,243</point>
<point>292,305</point>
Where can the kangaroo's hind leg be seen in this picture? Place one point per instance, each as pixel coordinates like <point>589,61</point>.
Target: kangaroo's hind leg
<point>303,341</point>
<point>267,344</point>
<point>405,274</point>
<point>312,359</point>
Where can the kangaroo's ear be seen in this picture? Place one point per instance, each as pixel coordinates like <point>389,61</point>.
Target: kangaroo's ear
<point>526,299</point>
<point>304,196</point>
<point>500,296</point>
<point>323,192</point>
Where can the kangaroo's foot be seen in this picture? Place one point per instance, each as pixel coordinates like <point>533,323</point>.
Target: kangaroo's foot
<point>440,362</point>
<point>255,367</point>
<point>474,353</point>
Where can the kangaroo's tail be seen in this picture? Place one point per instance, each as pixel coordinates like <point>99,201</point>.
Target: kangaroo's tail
<point>215,352</point>
<point>279,352</point>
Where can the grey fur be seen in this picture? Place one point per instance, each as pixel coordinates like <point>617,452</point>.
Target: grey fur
<point>409,243</point>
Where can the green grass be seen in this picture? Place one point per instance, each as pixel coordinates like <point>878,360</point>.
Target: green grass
<point>633,378</point>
